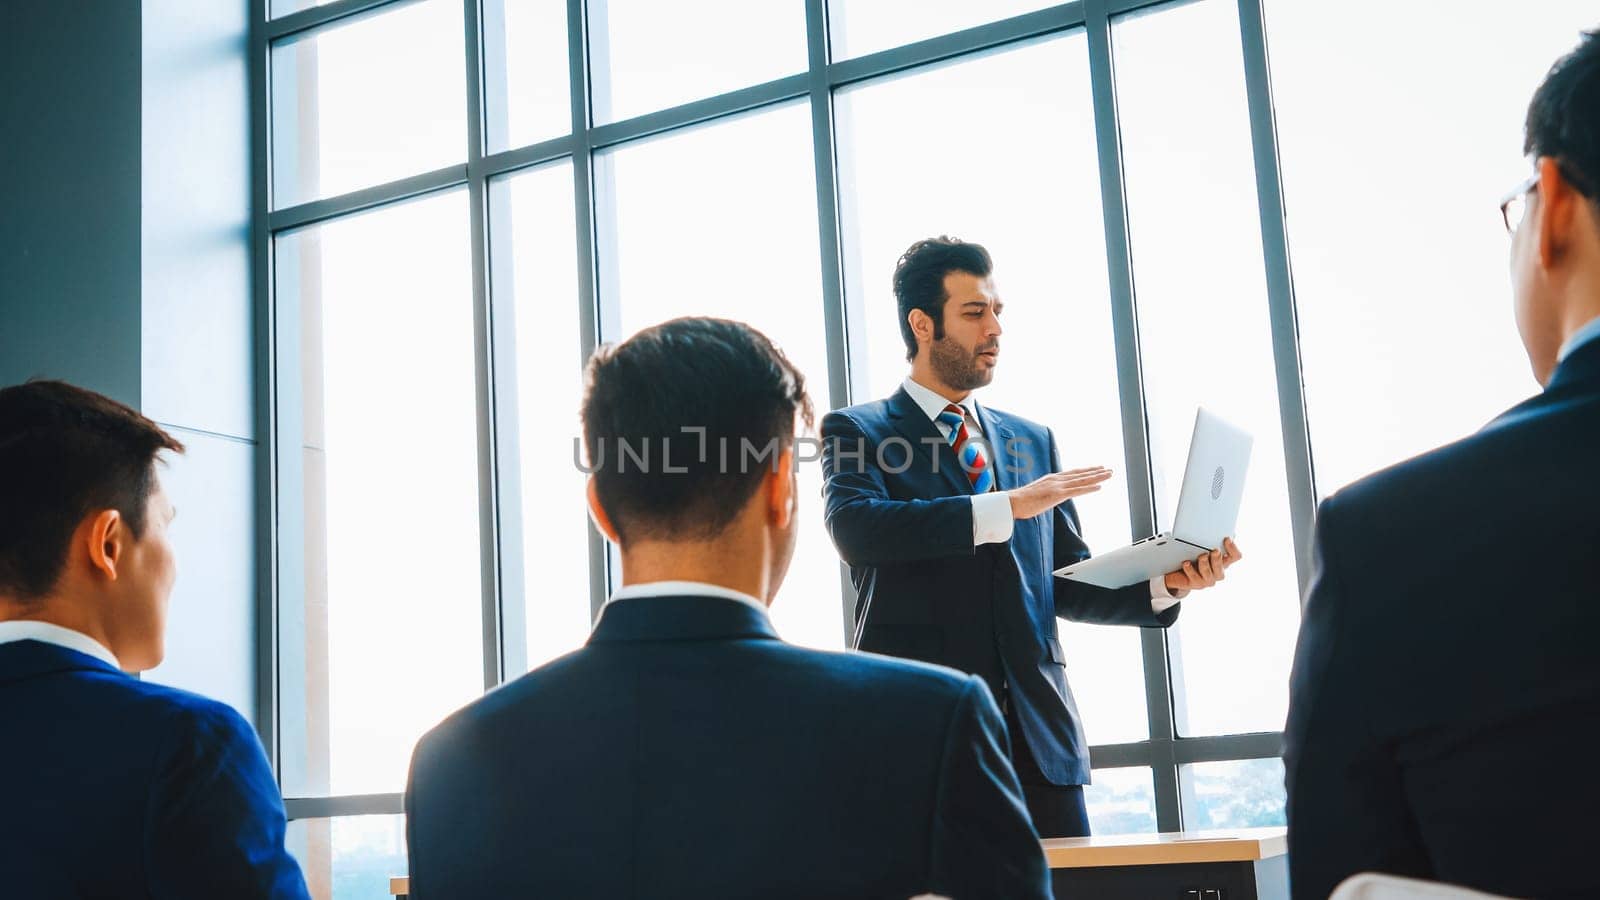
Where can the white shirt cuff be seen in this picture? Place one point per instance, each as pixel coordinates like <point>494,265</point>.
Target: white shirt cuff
<point>1162,599</point>
<point>991,518</point>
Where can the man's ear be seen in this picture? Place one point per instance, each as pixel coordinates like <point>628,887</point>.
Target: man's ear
<point>598,513</point>
<point>1558,202</point>
<point>921,326</point>
<point>105,538</point>
<point>780,490</point>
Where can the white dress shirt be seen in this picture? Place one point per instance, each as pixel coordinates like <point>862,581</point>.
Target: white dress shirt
<point>47,633</point>
<point>684,589</point>
<point>1580,337</point>
<point>992,522</point>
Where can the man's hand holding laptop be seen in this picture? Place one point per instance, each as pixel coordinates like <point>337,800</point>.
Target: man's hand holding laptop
<point>1205,571</point>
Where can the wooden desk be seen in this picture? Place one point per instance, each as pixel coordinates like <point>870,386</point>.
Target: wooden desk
<point>1248,864</point>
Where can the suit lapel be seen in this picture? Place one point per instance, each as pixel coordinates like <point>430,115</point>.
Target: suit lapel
<point>998,432</point>
<point>929,448</point>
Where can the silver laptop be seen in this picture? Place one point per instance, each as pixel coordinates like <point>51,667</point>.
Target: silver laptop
<point>1208,510</point>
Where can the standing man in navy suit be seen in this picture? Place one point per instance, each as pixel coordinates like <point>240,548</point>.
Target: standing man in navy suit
<point>952,517</point>
<point>1446,687</point>
<point>111,786</point>
<point>686,751</point>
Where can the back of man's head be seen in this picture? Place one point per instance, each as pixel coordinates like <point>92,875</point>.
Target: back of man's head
<point>1555,248</point>
<point>69,458</point>
<point>1564,117</point>
<point>683,422</point>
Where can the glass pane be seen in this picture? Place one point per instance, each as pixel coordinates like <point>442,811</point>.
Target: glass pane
<point>368,102</point>
<point>387,641</point>
<point>1121,801</point>
<point>1205,339</point>
<point>722,221</point>
<point>905,176</point>
<point>859,27</point>
<point>351,857</point>
<point>646,55</point>
<point>533,222</point>
<point>1385,378</point>
<point>1243,793</point>
<point>526,81</point>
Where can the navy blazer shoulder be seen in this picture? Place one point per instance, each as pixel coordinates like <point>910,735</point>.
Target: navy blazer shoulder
<point>116,787</point>
<point>1446,664</point>
<point>685,751</point>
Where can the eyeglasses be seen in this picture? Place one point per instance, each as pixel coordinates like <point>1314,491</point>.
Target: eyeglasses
<point>1514,205</point>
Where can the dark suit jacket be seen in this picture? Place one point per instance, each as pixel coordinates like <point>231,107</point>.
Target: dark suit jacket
<point>927,593</point>
<point>1446,692</point>
<point>687,752</point>
<point>114,787</point>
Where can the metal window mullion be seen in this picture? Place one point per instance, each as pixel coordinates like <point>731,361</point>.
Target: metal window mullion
<point>1130,386</point>
<point>340,11</point>
<point>1224,747</point>
<point>344,805</point>
<point>484,362</point>
<point>314,211</point>
<point>1280,288</point>
<point>264,394</point>
<point>844,355</point>
<point>988,36</point>
<point>590,314</point>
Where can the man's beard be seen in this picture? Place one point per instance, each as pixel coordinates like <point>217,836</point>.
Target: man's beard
<point>956,367</point>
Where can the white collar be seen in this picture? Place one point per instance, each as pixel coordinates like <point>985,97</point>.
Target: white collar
<point>682,589</point>
<point>933,403</point>
<point>1580,337</point>
<point>45,632</point>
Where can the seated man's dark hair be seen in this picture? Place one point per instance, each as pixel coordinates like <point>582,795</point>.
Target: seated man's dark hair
<point>1564,118</point>
<point>682,421</point>
<point>65,452</point>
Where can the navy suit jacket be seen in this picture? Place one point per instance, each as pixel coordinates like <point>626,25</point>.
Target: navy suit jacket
<point>687,752</point>
<point>1445,699</point>
<point>115,787</point>
<point>904,525</point>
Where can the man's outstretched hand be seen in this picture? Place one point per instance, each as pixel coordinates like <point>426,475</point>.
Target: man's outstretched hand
<point>1055,489</point>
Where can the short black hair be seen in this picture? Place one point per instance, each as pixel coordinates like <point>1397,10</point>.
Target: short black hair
<point>919,280</point>
<point>1564,118</point>
<point>668,416</point>
<point>66,452</point>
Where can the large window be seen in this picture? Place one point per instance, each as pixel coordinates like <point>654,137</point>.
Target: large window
<point>1391,173</point>
<point>456,208</point>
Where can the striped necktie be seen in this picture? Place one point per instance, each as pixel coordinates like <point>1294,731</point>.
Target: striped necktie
<point>973,460</point>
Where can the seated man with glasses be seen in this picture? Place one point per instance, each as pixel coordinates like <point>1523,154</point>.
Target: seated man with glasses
<point>1446,687</point>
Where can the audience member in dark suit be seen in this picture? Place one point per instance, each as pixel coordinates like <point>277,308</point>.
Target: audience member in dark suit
<point>1446,688</point>
<point>953,515</point>
<point>687,751</point>
<point>110,786</point>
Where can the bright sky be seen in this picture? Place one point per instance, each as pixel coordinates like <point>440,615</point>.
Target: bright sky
<point>1399,127</point>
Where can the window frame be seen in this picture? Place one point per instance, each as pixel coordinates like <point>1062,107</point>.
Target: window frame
<point>280,562</point>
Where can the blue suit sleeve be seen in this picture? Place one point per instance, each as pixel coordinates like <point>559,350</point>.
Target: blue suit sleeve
<point>984,844</point>
<point>215,825</point>
<point>1085,602</point>
<point>1346,811</point>
<point>868,527</point>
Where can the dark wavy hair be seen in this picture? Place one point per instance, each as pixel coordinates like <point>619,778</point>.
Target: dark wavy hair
<point>919,280</point>
<point>1564,118</point>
